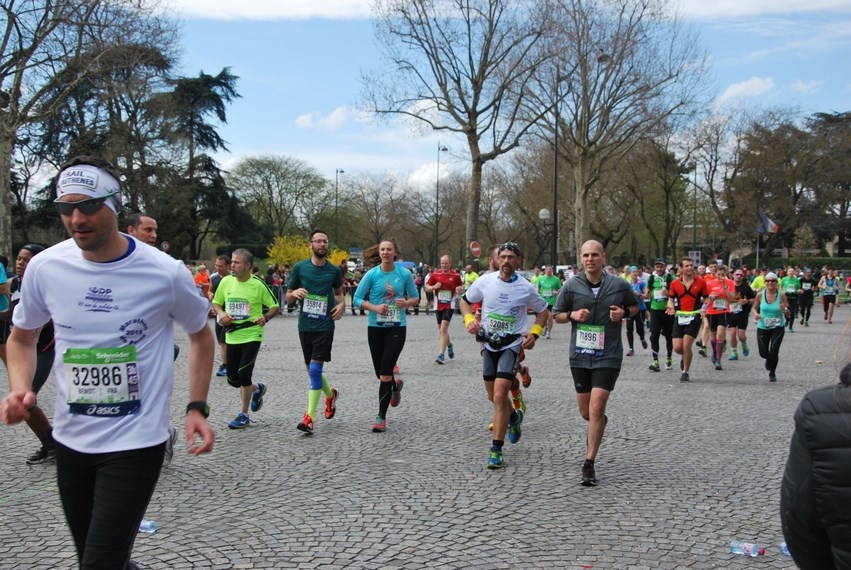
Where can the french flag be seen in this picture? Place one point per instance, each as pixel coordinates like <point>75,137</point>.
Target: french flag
<point>766,225</point>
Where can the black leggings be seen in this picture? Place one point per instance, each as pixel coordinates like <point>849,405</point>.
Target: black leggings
<point>661,324</point>
<point>104,496</point>
<point>769,346</point>
<point>241,359</point>
<point>638,323</point>
<point>385,346</point>
<point>806,308</point>
<point>792,300</point>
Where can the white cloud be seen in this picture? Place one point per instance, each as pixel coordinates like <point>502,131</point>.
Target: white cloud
<point>336,120</point>
<point>270,9</point>
<point>727,9</point>
<point>810,87</point>
<point>751,88</point>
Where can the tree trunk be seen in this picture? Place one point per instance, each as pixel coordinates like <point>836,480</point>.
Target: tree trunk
<point>473,206</point>
<point>6,138</point>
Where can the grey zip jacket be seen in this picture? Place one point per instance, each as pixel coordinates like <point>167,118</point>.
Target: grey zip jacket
<point>593,351</point>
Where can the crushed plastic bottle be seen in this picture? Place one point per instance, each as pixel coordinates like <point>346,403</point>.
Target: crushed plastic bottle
<point>746,548</point>
<point>784,548</point>
<point>148,526</point>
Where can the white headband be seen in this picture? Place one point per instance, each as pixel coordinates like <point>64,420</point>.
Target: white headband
<point>91,181</point>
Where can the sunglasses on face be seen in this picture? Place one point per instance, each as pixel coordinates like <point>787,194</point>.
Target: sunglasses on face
<point>771,280</point>
<point>86,207</point>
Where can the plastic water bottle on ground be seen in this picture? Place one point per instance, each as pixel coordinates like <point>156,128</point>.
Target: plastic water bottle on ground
<point>784,549</point>
<point>148,526</point>
<point>746,548</point>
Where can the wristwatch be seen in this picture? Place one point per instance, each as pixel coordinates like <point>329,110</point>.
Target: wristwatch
<point>199,406</point>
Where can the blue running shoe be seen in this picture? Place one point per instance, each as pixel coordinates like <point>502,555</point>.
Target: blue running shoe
<point>495,460</point>
<point>222,371</point>
<point>745,350</point>
<point>257,397</point>
<point>733,356</point>
<point>514,426</point>
<point>241,421</point>
<point>450,351</point>
<point>440,359</point>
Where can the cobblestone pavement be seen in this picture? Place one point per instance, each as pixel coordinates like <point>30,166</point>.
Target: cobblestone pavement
<point>684,468</point>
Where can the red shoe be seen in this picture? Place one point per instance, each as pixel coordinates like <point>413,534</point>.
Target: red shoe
<point>397,394</point>
<point>331,404</point>
<point>306,424</point>
<point>525,376</point>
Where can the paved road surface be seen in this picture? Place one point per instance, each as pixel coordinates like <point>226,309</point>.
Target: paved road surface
<point>683,469</point>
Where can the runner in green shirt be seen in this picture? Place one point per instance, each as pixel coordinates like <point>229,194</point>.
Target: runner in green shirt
<point>548,287</point>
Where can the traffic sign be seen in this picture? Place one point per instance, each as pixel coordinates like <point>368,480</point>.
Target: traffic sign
<point>475,249</point>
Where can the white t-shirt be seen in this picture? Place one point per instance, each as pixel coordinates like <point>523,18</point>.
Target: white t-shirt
<point>108,398</point>
<point>504,304</point>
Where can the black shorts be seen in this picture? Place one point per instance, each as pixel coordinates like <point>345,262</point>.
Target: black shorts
<point>584,379</point>
<point>715,321</point>
<point>444,315</point>
<point>220,333</point>
<point>739,320</point>
<point>316,346</point>
<point>5,331</point>
<point>691,329</point>
<point>500,364</point>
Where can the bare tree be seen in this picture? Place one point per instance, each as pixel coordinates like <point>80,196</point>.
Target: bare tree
<point>41,41</point>
<point>463,66</point>
<point>626,67</point>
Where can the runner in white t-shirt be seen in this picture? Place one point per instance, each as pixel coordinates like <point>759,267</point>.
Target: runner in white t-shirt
<point>114,337</point>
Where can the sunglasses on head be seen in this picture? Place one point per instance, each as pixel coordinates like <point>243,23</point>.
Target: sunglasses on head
<point>87,207</point>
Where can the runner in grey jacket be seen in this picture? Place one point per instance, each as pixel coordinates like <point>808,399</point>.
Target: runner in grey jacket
<point>595,303</point>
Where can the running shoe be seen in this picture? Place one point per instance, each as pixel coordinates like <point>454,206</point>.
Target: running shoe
<point>772,377</point>
<point>169,446</point>
<point>733,356</point>
<point>514,426</point>
<point>589,476</point>
<point>495,460</point>
<point>331,404</point>
<point>395,369</point>
<point>241,421</point>
<point>644,344</point>
<point>802,321</point>
<point>257,397</point>
<point>440,359</point>
<point>669,363</point>
<point>450,351</point>
<point>684,377</point>
<point>791,330</point>
<point>46,454</point>
<point>525,376</point>
<point>380,425</point>
<point>306,424</point>
<point>630,352</point>
<point>718,365</point>
<point>699,344</point>
<point>654,366</point>
<point>518,403</point>
<point>745,350</point>
<point>702,351</point>
<point>397,394</point>
<point>223,370</point>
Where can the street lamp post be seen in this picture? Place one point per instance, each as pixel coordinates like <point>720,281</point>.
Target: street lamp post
<point>554,246</point>
<point>336,205</point>
<point>544,216</point>
<point>440,148</point>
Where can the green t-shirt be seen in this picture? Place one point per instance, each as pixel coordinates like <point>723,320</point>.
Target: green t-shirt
<point>548,287</point>
<point>244,301</point>
<point>320,282</point>
<point>790,285</point>
<point>655,284</point>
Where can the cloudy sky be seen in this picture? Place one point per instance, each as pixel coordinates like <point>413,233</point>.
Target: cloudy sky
<point>300,63</point>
